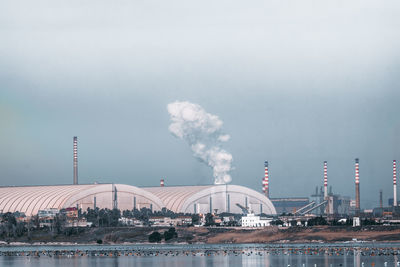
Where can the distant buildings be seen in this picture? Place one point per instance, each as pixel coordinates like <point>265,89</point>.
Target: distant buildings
<point>130,222</point>
<point>167,221</point>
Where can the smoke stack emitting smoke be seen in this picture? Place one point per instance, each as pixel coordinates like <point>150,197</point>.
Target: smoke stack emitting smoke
<point>202,131</point>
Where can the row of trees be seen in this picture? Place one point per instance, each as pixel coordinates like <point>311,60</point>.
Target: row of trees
<point>107,217</point>
<point>10,227</point>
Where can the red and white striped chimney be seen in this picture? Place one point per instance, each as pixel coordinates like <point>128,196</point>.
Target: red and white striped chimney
<point>394,184</point>
<point>357,187</point>
<point>266,180</point>
<point>162,182</point>
<point>325,180</point>
<point>75,159</point>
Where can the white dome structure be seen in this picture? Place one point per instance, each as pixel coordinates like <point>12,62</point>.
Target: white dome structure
<point>205,199</point>
<point>31,199</point>
<point>179,199</point>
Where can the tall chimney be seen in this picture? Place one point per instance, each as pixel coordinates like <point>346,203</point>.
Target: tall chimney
<point>394,184</point>
<point>266,180</point>
<point>162,182</point>
<point>380,199</point>
<point>357,188</point>
<point>325,180</point>
<point>326,186</point>
<point>75,160</point>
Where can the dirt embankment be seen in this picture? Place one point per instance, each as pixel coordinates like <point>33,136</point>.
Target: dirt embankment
<point>300,235</point>
<point>118,235</point>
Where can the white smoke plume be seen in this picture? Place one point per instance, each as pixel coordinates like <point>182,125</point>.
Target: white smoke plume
<point>202,131</point>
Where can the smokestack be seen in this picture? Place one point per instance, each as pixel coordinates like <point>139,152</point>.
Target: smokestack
<point>266,180</point>
<point>326,186</point>
<point>162,182</point>
<point>380,199</point>
<point>357,187</point>
<point>325,180</point>
<point>394,184</point>
<point>75,160</point>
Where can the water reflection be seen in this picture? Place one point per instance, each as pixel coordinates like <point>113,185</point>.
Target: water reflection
<point>326,260</point>
<point>267,262</point>
<point>357,258</point>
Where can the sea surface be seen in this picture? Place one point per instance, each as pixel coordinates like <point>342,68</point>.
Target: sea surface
<point>343,254</point>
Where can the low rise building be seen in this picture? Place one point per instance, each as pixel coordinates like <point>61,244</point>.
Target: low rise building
<point>130,221</point>
<point>160,221</point>
<point>51,213</point>
<point>182,221</point>
<point>251,220</point>
<point>78,223</point>
<point>71,212</point>
<point>167,221</point>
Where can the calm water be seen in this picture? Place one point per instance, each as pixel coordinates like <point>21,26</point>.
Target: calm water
<point>350,254</point>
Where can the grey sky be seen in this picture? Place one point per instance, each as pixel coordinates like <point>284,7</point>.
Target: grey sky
<point>295,82</point>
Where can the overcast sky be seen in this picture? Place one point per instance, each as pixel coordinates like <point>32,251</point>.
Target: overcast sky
<point>295,83</point>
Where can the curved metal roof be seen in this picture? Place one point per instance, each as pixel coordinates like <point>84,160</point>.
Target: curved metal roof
<point>174,196</point>
<point>178,198</point>
<point>31,199</point>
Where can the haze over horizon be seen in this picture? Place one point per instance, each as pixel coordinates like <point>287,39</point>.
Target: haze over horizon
<point>295,83</point>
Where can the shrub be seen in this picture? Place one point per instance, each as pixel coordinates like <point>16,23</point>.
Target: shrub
<point>155,237</point>
<point>171,233</point>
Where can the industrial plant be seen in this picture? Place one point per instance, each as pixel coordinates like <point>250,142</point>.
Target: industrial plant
<point>204,199</point>
<point>30,200</point>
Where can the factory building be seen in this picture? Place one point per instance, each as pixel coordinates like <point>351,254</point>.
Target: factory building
<point>185,199</point>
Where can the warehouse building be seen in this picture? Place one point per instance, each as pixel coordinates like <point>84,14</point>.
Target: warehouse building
<point>180,199</point>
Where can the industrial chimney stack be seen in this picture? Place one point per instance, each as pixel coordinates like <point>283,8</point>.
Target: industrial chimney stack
<point>75,160</point>
<point>325,180</point>
<point>394,184</point>
<point>326,186</point>
<point>162,182</point>
<point>357,188</point>
<point>266,180</point>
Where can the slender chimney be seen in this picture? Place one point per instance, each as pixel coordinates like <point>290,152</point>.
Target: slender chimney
<point>162,182</point>
<point>325,180</point>
<point>380,199</point>
<point>357,187</point>
<point>75,160</point>
<point>394,184</point>
<point>266,180</point>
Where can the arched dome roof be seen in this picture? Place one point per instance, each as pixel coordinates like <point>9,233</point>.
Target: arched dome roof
<point>225,197</point>
<point>31,199</point>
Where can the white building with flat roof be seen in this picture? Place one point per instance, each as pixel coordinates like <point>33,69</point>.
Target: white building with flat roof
<point>251,220</point>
